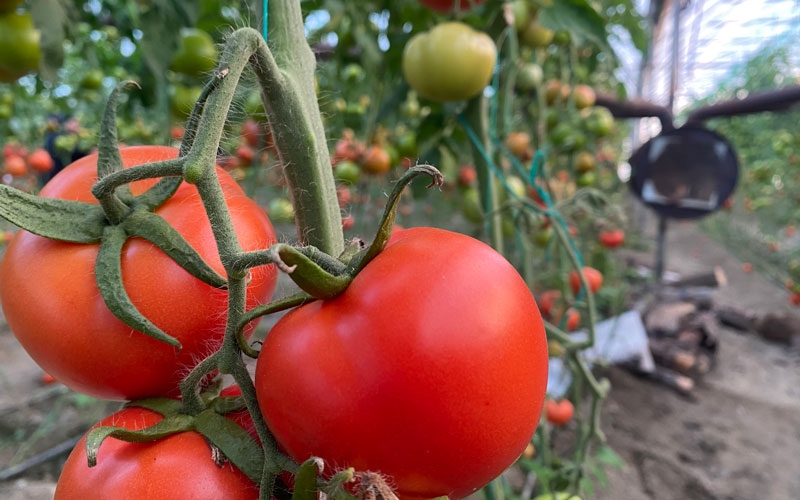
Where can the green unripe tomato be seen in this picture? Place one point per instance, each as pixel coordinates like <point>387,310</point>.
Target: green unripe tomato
<point>451,62</point>
<point>280,210</point>
<point>197,53</point>
<point>536,35</point>
<point>561,495</point>
<point>522,14</point>
<point>92,80</point>
<point>19,46</point>
<point>600,121</point>
<point>347,172</point>
<point>529,76</point>
<point>471,206</point>
<point>182,99</point>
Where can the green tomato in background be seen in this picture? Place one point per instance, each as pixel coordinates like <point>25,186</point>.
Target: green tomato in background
<point>347,172</point>
<point>182,99</point>
<point>19,46</point>
<point>451,62</point>
<point>197,53</point>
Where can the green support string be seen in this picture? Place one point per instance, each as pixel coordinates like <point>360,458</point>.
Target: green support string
<point>265,22</point>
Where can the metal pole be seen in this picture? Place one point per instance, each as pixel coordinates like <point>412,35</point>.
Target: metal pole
<point>661,243</point>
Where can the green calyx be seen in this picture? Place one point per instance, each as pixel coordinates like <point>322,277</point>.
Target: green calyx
<point>323,277</point>
<point>233,443</point>
<point>119,216</point>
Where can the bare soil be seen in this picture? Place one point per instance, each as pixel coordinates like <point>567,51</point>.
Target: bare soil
<point>737,437</point>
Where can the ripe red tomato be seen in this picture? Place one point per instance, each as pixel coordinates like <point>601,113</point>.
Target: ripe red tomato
<point>376,160</point>
<point>447,5</point>
<point>593,277</point>
<point>612,238</point>
<point>41,161</point>
<point>430,368</point>
<point>178,466</point>
<point>573,319</point>
<point>559,412</point>
<point>547,300</point>
<point>15,165</point>
<point>53,306</point>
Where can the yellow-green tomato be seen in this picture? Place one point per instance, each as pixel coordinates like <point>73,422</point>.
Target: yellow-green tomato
<point>451,62</point>
<point>561,495</point>
<point>19,46</point>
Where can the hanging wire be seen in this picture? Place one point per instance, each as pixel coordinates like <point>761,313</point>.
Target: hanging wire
<point>265,19</point>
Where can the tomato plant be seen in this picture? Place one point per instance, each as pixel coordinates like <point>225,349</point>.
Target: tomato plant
<point>52,303</point>
<point>411,380</point>
<point>181,465</point>
<point>451,62</point>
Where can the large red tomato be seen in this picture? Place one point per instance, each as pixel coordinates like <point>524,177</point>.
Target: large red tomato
<point>178,466</point>
<point>431,368</point>
<point>53,306</point>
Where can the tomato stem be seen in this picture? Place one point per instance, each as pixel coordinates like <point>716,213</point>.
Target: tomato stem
<point>191,385</point>
<point>286,76</point>
<point>476,115</point>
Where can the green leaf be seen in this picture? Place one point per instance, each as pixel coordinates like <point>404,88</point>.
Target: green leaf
<point>108,273</point>
<point>156,230</point>
<point>233,441</point>
<point>606,455</point>
<point>579,18</point>
<point>164,428</point>
<point>54,218</point>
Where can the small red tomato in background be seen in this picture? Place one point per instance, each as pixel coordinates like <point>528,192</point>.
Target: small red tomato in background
<point>467,175</point>
<point>573,319</point>
<point>15,165</point>
<point>447,5</point>
<point>559,412</point>
<point>438,324</point>
<point>612,238</point>
<point>592,275</point>
<point>376,160</point>
<point>40,161</point>
<point>547,300</point>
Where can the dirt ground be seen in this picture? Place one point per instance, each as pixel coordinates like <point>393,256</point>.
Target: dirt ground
<point>736,438</point>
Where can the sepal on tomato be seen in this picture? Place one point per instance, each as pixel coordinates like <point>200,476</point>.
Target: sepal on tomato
<point>390,212</point>
<point>323,277</point>
<point>230,441</point>
<point>108,270</point>
<point>57,219</point>
<point>171,424</point>
<point>157,231</point>
<point>305,481</point>
<point>237,446</point>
